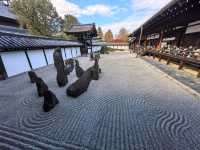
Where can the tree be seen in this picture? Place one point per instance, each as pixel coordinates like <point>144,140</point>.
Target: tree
<point>123,35</point>
<point>100,32</point>
<point>69,20</point>
<point>38,16</point>
<point>109,36</point>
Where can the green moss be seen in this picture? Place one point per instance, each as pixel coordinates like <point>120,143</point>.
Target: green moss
<point>107,50</point>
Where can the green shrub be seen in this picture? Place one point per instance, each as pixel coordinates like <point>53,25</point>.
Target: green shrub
<point>106,50</point>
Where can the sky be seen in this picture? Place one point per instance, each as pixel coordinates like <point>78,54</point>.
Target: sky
<point>111,14</point>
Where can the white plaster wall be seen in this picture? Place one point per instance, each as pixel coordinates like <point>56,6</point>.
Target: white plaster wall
<point>37,58</point>
<point>15,62</point>
<point>49,55</point>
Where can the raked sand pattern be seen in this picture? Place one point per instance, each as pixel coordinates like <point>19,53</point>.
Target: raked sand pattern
<point>132,107</point>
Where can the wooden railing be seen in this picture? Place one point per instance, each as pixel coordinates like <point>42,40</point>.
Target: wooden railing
<point>180,60</point>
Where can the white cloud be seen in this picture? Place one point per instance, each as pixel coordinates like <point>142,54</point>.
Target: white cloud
<point>64,7</point>
<point>145,7</point>
<point>131,23</point>
<point>149,4</point>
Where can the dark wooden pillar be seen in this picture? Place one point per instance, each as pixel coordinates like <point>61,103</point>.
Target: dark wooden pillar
<point>198,75</point>
<point>3,73</point>
<point>168,60</point>
<point>181,35</point>
<point>29,62</point>
<point>65,53</point>
<point>45,56</point>
<point>71,51</point>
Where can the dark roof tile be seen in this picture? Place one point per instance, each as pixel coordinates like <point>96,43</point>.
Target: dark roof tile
<point>82,28</point>
<point>10,41</point>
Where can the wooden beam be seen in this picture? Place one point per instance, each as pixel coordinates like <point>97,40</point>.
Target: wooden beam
<point>2,70</point>
<point>198,75</point>
<point>45,56</point>
<point>168,60</point>
<point>29,62</point>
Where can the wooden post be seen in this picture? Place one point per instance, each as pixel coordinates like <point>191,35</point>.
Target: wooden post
<point>65,53</point>
<point>161,38</point>
<point>71,51</point>
<point>181,36</point>
<point>29,62</point>
<point>198,75</point>
<point>154,55</point>
<point>181,65</point>
<point>45,56</point>
<point>141,32</point>
<point>3,73</point>
<point>168,60</point>
<point>160,57</point>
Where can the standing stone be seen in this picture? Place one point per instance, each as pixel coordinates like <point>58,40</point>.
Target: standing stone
<point>41,86</point>
<point>79,70</point>
<point>32,75</point>
<point>60,67</point>
<point>61,77</point>
<point>50,101</point>
<point>96,70</point>
<point>91,56</point>
<point>69,66</point>
<point>57,56</point>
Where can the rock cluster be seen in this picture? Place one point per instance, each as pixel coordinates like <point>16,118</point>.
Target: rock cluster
<point>81,85</point>
<point>63,69</point>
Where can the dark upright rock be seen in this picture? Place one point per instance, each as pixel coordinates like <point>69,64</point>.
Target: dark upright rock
<point>91,56</point>
<point>96,70</point>
<point>61,77</point>
<point>32,75</point>
<point>81,85</point>
<point>57,57</point>
<point>79,70</point>
<point>50,101</point>
<point>69,66</point>
<point>41,87</point>
<point>60,67</point>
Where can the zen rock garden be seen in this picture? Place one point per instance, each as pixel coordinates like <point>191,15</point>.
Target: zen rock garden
<point>122,108</point>
<point>64,68</point>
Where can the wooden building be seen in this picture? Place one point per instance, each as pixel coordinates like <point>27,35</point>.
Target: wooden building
<point>177,23</point>
<point>85,34</point>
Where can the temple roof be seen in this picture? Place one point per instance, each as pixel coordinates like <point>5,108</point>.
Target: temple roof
<point>174,14</point>
<point>82,28</point>
<point>6,12</point>
<point>12,41</point>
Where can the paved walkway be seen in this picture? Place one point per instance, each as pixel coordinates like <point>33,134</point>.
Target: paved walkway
<point>132,107</point>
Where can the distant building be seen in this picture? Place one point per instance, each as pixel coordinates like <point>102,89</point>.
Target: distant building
<point>85,34</point>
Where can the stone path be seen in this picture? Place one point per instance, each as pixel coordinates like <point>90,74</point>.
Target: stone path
<point>132,107</point>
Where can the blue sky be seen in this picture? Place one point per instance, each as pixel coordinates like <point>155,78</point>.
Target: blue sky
<point>110,14</point>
